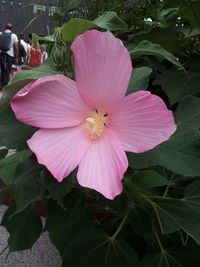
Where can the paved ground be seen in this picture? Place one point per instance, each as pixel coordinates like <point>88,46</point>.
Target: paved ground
<point>43,253</point>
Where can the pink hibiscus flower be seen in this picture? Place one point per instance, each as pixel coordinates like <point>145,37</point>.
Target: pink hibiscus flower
<point>90,123</point>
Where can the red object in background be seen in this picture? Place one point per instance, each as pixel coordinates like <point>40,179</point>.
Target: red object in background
<point>35,57</point>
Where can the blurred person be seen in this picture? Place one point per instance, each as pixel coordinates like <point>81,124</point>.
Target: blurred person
<point>9,53</point>
<point>44,55</point>
<point>35,55</point>
<point>26,48</point>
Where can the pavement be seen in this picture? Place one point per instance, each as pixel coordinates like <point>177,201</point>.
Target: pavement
<point>42,254</point>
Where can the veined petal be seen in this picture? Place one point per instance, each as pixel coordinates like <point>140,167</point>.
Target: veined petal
<point>60,150</point>
<point>102,66</point>
<point>50,102</point>
<point>141,121</point>
<point>103,166</point>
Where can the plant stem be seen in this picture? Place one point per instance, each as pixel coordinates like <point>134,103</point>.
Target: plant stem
<point>120,226</point>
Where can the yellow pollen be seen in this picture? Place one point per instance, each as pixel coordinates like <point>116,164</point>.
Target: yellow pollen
<point>95,125</point>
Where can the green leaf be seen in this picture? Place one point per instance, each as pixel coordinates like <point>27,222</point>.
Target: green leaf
<point>75,27</point>
<point>95,248</point>
<point>147,179</point>
<point>132,2</point>
<point>141,223</point>
<point>110,21</point>
<point>9,165</point>
<point>59,190</point>
<point>148,48</point>
<point>168,14</point>
<point>189,33</point>
<point>28,184</point>
<point>13,134</point>
<point>180,154</point>
<point>69,221</point>
<point>192,193</point>
<point>174,214</point>
<point>36,37</point>
<point>159,36</point>
<point>21,79</point>
<point>3,152</point>
<point>139,79</point>
<point>24,228</point>
<point>161,259</point>
<point>191,13</point>
<point>178,84</point>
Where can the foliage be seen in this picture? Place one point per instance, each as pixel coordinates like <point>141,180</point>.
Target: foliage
<point>156,220</point>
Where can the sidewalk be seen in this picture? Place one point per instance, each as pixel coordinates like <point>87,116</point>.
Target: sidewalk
<point>43,253</point>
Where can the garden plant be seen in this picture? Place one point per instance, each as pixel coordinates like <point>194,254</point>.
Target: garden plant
<point>105,136</point>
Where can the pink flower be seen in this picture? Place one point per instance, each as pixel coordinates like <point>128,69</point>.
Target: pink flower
<point>91,123</point>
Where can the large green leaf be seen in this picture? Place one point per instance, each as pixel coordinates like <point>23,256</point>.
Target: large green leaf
<point>75,27</point>
<point>28,184</point>
<point>95,248</point>
<point>180,154</point>
<point>59,190</point>
<point>69,221</point>
<point>13,134</point>
<point>147,48</point>
<point>178,84</point>
<point>36,37</point>
<point>110,21</point>
<point>139,79</point>
<point>161,259</point>
<point>174,214</point>
<point>192,193</point>
<point>21,79</point>
<point>191,13</point>
<point>24,228</point>
<point>146,179</point>
<point>159,35</point>
<point>9,165</point>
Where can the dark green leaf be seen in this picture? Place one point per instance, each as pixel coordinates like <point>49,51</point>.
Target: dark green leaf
<point>36,37</point>
<point>139,79</point>
<point>13,134</point>
<point>24,228</point>
<point>145,179</point>
<point>161,259</point>
<point>69,221</point>
<point>178,84</point>
<point>3,152</point>
<point>192,192</point>
<point>148,48</point>
<point>9,165</point>
<point>59,190</point>
<point>75,27</point>
<point>28,184</point>
<point>110,21</point>
<point>174,214</point>
<point>95,248</point>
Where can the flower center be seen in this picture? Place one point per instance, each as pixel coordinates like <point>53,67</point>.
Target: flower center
<point>95,124</point>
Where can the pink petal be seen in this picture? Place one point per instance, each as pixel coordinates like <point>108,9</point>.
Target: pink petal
<point>141,121</point>
<point>102,66</point>
<point>103,166</point>
<point>50,102</point>
<point>60,150</point>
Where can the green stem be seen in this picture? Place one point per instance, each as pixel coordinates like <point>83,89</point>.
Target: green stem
<point>167,188</point>
<point>163,251</point>
<point>120,226</point>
